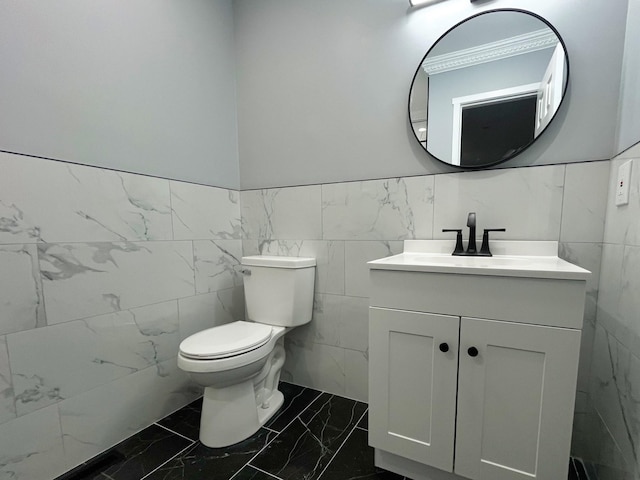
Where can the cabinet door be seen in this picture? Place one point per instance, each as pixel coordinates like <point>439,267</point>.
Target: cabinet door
<point>515,400</point>
<point>412,384</point>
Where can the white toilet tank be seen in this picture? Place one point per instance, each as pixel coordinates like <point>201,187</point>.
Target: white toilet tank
<point>279,290</point>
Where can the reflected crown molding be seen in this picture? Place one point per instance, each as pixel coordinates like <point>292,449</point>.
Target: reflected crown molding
<point>489,52</point>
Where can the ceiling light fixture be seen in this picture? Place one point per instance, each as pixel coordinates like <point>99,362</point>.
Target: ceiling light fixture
<point>417,3</point>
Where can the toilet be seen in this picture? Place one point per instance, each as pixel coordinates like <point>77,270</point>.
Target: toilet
<point>239,363</point>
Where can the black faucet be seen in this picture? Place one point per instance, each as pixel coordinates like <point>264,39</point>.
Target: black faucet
<point>471,223</point>
<point>471,246</point>
<point>484,249</point>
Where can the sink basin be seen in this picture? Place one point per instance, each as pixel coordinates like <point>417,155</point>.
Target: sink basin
<point>428,256</point>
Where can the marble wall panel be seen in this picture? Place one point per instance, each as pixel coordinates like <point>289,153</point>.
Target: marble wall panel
<point>329,257</point>
<point>315,365</point>
<point>21,299</point>
<point>610,286</point>
<point>585,202</point>
<point>615,392</point>
<point>630,290</point>
<point>525,201</point>
<point>354,332</point>
<point>622,225</point>
<point>209,310</point>
<point>82,280</point>
<point>7,401</point>
<point>618,304</point>
<point>357,254</point>
<point>31,447</point>
<point>58,362</point>
<point>391,209</point>
<point>282,213</point>
<point>200,212</point>
<point>56,202</point>
<point>356,367</point>
<point>589,256</point>
<point>95,296</point>
<point>615,371</point>
<point>217,264</point>
<point>121,408</point>
<point>338,321</point>
<point>592,442</point>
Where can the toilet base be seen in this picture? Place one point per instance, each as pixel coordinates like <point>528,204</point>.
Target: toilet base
<point>230,415</point>
<point>264,414</point>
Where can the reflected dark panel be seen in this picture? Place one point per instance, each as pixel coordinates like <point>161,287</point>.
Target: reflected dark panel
<point>496,131</point>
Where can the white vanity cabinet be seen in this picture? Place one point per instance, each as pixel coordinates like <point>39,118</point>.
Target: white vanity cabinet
<point>472,374</point>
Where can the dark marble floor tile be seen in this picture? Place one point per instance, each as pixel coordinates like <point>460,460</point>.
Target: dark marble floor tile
<point>364,423</point>
<point>296,399</point>
<point>354,460</point>
<point>335,410</point>
<point>573,474</point>
<point>203,463</point>
<point>250,473</point>
<point>306,446</point>
<point>580,472</point>
<point>144,452</point>
<point>185,421</point>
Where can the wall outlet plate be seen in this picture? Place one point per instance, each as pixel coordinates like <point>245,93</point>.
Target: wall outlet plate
<point>622,185</point>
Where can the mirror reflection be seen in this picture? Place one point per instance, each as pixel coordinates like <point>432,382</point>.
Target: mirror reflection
<point>488,88</point>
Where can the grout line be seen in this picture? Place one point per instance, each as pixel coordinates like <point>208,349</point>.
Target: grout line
<point>304,409</point>
<point>341,445</point>
<point>322,213</point>
<point>263,471</point>
<point>574,463</point>
<point>175,456</point>
<point>176,433</point>
<point>562,204</point>
<point>252,458</point>
<point>433,209</point>
<point>277,434</point>
<point>173,233</point>
<point>319,410</point>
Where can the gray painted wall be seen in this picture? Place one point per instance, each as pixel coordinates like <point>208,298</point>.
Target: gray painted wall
<point>444,87</point>
<point>145,86</point>
<point>323,86</point>
<point>629,123</point>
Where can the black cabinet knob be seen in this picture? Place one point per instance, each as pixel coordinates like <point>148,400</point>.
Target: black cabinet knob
<point>443,347</point>
<point>473,352</point>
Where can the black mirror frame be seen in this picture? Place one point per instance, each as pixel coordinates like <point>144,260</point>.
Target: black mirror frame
<point>564,90</point>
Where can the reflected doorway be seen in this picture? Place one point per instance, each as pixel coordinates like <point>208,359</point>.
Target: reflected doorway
<point>498,130</point>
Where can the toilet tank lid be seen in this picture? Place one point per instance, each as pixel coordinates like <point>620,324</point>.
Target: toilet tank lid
<point>278,262</point>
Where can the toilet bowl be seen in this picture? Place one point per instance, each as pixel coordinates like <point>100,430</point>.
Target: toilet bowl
<point>239,363</point>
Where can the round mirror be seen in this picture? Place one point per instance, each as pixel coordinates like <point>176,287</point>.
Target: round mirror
<point>488,88</point>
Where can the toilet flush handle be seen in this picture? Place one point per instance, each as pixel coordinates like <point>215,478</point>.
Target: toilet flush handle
<point>246,272</point>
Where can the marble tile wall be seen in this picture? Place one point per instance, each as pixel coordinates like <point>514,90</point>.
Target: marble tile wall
<point>613,425</point>
<point>344,225</point>
<point>102,273</point>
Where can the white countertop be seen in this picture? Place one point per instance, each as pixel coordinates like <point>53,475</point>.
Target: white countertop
<point>533,259</point>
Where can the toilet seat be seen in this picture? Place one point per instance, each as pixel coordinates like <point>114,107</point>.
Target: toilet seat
<point>226,341</point>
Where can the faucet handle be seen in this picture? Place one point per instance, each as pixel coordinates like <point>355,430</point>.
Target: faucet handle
<point>484,249</point>
<point>459,248</point>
